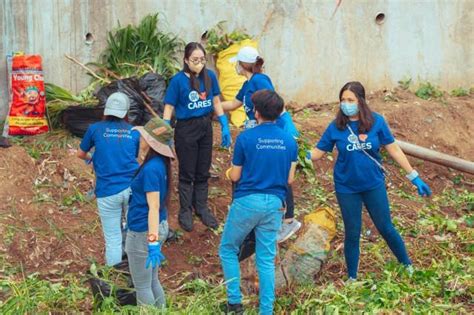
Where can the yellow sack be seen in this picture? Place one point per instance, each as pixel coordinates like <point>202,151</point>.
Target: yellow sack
<point>304,259</point>
<point>229,81</point>
<point>324,217</point>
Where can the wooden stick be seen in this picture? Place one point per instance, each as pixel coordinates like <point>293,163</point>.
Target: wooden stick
<point>314,106</point>
<point>86,68</point>
<point>111,73</point>
<point>147,103</point>
<point>437,157</point>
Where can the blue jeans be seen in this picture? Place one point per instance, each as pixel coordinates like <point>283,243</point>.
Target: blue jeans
<point>145,280</point>
<point>263,213</point>
<point>111,209</point>
<point>376,202</point>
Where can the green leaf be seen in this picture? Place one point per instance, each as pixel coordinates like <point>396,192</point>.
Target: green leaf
<point>451,226</point>
<point>93,270</point>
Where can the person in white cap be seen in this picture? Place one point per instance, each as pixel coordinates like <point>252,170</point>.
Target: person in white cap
<point>115,162</point>
<point>151,188</point>
<point>250,65</point>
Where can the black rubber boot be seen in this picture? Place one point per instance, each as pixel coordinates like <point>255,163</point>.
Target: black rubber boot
<point>200,204</point>
<point>185,216</point>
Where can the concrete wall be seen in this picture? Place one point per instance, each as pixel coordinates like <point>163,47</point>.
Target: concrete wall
<point>308,55</point>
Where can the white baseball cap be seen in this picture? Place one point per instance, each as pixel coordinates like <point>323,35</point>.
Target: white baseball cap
<point>246,54</point>
<point>117,105</point>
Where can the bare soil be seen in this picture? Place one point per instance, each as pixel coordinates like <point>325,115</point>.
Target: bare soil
<point>47,228</point>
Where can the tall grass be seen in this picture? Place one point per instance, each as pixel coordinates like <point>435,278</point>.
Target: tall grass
<point>134,50</point>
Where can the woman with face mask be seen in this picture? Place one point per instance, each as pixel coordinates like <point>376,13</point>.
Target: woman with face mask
<point>358,134</point>
<point>193,94</point>
<point>250,65</point>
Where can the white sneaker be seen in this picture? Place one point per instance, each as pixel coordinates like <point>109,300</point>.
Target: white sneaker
<point>350,281</point>
<point>287,230</point>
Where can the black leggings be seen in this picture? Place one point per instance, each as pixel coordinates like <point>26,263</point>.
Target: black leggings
<point>193,141</point>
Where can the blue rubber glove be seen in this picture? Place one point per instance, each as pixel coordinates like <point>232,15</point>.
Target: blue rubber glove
<point>423,188</point>
<point>308,154</point>
<point>286,122</point>
<point>226,138</point>
<point>168,121</point>
<point>250,123</point>
<point>89,161</point>
<point>155,257</point>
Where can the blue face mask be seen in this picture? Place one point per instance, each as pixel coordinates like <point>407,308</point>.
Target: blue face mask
<point>349,109</point>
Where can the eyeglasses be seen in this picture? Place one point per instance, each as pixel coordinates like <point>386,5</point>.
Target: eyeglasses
<point>196,61</point>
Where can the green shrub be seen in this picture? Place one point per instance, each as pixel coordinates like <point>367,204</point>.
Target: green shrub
<point>460,91</point>
<point>428,91</point>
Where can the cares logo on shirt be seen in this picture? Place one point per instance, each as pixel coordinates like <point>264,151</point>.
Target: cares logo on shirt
<point>246,108</point>
<point>355,145</point>
<point>198,100</point>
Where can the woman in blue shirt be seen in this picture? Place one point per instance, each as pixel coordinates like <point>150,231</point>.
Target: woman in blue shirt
<point>250,65</point>
<point>358,134</point>
<point>148,211</point>
<point>114,160</point>
<point>193,94</point>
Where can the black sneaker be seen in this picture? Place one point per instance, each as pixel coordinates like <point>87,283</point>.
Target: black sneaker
<point>208,219</point>
<point>185,220</point>
<point>236,309</point>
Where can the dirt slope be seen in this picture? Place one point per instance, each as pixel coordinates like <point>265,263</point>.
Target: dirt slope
<point>47,226</point>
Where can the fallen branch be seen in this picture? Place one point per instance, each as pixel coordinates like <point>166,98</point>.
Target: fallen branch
<point>86,68</point>
<point>147,103</point>
<point>314,106</point>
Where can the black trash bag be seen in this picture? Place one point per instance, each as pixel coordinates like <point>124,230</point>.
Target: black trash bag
<point>247,248</point>
<point>77,119</point>
<point>130,87</point>
<point>101,289</point>
<point>154,85</point>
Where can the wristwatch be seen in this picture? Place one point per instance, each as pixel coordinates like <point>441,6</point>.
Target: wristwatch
<point>152,238</point>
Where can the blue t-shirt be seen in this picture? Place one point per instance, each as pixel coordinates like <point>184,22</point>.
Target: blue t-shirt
<point>265,154</point>
<point>258,81</point>
<point>115,156</point>
<point>151,178</point>
<point>355,172</point>
<point>285,122</point>
<point>187,102</point>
